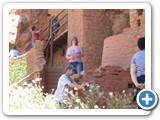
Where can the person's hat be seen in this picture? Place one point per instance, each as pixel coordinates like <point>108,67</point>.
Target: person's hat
<point>70,67</point>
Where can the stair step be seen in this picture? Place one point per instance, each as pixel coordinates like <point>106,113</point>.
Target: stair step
<point>49,91</point>
<point>53,74</point>
<point>52,77</point>
<point>56,78</point>
<point>48,70</point>
<point>51,83</point>
<point>51,87</point>
<point>51,80</point>
<point>54,69</point>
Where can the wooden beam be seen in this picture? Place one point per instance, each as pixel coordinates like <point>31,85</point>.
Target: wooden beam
<point>58,46</point>
<point>58,21</point>
<point>62,34</point>
<point>58,14</point>
<point>60,27</point>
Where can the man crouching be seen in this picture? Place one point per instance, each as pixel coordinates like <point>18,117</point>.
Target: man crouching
<point>66,85</point>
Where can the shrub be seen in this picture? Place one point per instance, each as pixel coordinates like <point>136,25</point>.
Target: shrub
<point>118,101</point>
<point>17,71</point>
<point>93,98</point>
<point>29,96</point>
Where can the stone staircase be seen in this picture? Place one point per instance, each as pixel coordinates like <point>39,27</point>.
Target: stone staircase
<point>52,75</point>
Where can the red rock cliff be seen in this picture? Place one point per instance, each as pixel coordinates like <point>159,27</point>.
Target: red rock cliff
<point>21,22</point>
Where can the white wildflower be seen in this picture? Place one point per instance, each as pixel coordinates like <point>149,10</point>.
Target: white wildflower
<point>96,107</point>
<point>38,79</point>
<point>75,88</point>
<point>98,86</point>
<point>20,88</point>
<point>64,101</point>
<point>104,107</point>
<point>76,107</point>
<point>29,85</point>
<point>123,91</point>
<point>25,83</point>
<point>110,93</point>
<point>33,81</point>
<point>78,100</point>
<point>87,84</point>
<point>71,92</point>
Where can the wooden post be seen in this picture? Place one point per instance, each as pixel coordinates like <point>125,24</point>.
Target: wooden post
<point>51,50</point>
<point>47,49</point>
<point>47,55</point>
<point>51,53</point>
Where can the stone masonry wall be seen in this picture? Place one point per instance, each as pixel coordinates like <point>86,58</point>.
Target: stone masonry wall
<point>35,59</point>
<point>75,25</point>
<point>119,20</point>
<point>137,23</point>
<point>109,78</point>
<point>94,29</point>
<point>118,50</point>
<point>91,27</point>
<point>114,74</point>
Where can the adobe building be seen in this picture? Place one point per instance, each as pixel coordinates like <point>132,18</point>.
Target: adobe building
<point>108,39</point>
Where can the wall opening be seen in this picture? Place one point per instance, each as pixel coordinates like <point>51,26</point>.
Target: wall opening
<point>138,22</point>
<point>140,12</point>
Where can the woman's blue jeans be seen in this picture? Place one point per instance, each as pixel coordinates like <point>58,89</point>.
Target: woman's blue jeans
<point>78,66</point>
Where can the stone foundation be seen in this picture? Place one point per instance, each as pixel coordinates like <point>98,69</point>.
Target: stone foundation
<point>110,78</point>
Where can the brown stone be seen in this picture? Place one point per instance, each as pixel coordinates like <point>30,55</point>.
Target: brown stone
<point>26,19</point>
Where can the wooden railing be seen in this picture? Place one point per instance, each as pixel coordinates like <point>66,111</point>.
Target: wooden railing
<point>23,79</point>
<point>51,37</point>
